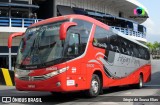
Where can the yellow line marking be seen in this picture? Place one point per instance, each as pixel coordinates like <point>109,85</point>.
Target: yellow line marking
<point>7,77</point>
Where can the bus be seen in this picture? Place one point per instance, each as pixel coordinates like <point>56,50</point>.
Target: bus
<point>78,53</point>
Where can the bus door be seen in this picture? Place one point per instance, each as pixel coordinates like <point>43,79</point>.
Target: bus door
<point>72,52</point>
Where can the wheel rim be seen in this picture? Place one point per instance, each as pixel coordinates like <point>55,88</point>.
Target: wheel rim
<point>140,82</point>
<point>95,86</point>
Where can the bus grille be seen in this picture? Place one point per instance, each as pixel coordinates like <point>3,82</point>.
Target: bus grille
<point>24,78</point>
<point>34,78</point>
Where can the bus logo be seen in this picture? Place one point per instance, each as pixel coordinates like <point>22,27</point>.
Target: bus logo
<point>31,78</point>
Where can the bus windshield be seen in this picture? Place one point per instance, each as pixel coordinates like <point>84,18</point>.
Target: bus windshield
<point>40,45</point>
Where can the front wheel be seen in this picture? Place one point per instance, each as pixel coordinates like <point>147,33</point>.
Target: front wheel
<point>95,86</point>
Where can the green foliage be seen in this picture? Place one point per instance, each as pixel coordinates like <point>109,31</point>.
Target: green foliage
<point>153,46</point>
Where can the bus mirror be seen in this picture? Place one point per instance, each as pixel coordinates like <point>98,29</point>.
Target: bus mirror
<point>11,36</point>
<point>63,29</point>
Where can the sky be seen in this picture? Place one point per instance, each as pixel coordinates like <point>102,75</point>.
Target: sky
<point>153,23</point>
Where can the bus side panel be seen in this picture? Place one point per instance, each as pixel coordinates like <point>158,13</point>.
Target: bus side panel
<point>132,78</point>
<point>147,73</point>
<point>93,68</point>
<point>76,76</point>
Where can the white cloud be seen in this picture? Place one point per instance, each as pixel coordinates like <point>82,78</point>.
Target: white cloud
<point>153,30</point>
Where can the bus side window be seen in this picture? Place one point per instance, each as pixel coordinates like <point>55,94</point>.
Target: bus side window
<point>101,38</point>
<point>147,54</point>
<point>139,52</point>
<point>142,52</point>
<point>123,46</point>
<point>127,48</point>
<point>131,50</point>
<point>83,29</point>
<point>112,43</point>
<point>134,51</point>
<point>74,42</point>
<point>77,38</point>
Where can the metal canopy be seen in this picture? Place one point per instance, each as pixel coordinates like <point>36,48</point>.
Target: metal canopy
<point>125,6</point>
<point>65,10</point>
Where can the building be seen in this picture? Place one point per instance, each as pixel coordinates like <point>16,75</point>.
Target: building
<point>14,17</point>
<point>17,15</point>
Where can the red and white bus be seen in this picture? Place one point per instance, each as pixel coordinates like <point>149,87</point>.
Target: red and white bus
<point>75,52</point>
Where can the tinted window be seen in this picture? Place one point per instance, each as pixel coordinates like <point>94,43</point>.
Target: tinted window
<point>83,29</point>
<point>147,54</point>
<point>102,38</point>
<point>124,45</point>
<point>111,41</point>
<point>77,38</point>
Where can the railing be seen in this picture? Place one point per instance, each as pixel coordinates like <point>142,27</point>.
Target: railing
<point>25,22</point>
<point>130,32</point>
<point>17,22</point>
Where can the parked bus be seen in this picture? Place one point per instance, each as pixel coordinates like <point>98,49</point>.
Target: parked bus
<point>76,52</point>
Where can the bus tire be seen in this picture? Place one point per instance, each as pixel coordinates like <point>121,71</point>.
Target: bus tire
<point>95,86</point>
<point>140,84</point>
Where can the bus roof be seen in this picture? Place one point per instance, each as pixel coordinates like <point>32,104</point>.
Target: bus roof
<point>65,17</point>
<point>86,18</point>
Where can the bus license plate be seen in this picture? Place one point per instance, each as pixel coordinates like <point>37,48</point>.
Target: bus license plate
<point>31,86</point>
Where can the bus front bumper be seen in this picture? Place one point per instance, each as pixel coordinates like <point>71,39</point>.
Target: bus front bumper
<point>56,84</point>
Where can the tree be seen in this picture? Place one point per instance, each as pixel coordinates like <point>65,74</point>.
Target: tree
<point>156,45</point>
<point>150,46</point>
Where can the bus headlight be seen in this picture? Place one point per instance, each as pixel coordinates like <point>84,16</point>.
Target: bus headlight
<point>16,75</point>
<point>23,75</point>
<point>56,72</point>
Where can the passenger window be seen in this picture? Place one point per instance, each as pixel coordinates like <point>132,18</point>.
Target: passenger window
<point>131,50</point>
<point>142,52</point>
<point>101,38</point>
<point>110,41</point>
<point>106,39</point>
<point>147,54</point>
<point>83,29</point>
<point>77,39</point>
<point>114,43</point>
<point>74,42</point>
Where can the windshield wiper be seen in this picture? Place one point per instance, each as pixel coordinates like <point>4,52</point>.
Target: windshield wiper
<point>49,45</point>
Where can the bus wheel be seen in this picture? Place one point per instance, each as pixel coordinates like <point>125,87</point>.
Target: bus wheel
<point>140,84</point>
<point>95,86</point>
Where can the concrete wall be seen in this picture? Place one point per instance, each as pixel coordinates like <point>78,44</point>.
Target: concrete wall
<point>4,39</point>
